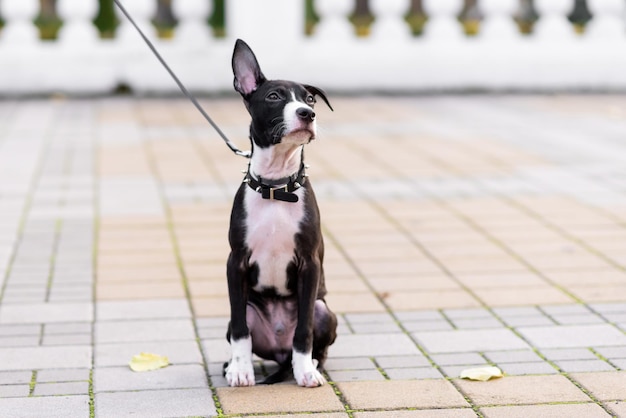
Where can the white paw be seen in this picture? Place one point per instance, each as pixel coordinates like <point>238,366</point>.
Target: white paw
<point>238,373</point>
<point>305,371</point>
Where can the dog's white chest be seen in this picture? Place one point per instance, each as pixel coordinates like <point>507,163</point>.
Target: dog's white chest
<point>271,228</point>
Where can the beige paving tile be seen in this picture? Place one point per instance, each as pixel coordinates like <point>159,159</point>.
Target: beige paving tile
<point>200,288</point>
<point>278,398</point>
<point>609,386</point>
<point>425,413</point>
<point>598,294</point>
<point>147,290</point>
<point>211,306</point>
<point>307,415</point>
<point>432,299</point>
<point>414,282</point>
<point>538,295</point>
<point>617,407</point>
<point>354,302</point>
<point>112,273</point>
<point>586,410</point>
<point>391,394</point>
<point>519,390</point>
<point>505,279</point>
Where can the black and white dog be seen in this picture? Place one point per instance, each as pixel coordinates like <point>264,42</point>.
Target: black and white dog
<point>275,276</point>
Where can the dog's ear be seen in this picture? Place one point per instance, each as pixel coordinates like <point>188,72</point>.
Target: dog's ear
<point>248,75</point>
<point>319,92</point>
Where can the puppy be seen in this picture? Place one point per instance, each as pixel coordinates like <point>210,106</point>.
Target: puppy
<point>275,275</point>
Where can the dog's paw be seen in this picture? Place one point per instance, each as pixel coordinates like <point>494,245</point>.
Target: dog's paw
<point>305,371</point>
<point>240,373</point>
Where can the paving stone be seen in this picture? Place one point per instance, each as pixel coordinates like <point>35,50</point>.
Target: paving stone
<point>142,309</point>
<point>152,403</point>
<point>477,323</point>
<point>534,367</point>
<point>469,340</point>
<point>415,326</point>
<point>516,390</point>
<point>372,345</point>
<point>52,357</point>
<point>512,356</point>
<point>144,330</point>
<point>587,410</point>
<point>415,413</point>
<point>11,391</point>
<point>392,394</point>
<point>21,341</point>
<point>355,375</point>
<point>604,386</point>
<point>356,363</point>
<point>80,339</point>
<point>617,407</point>
<point>277,399</point>
<point>7,378</point>
<point>457,359</point>
<point>596,365</point>
<point>49,407</point>
<point>62,375</point>
<point>612,352</point>
<point>45,313</point>
<point>414,373</point>
<point>66,388</point>
<point>573,336</point>
<point>402,361</point>
<point>569,354</point>
<point>122,379</point>
<point>119,354</point>
<point>68,328</point>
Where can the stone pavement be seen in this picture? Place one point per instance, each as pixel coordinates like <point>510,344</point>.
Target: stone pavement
<point>460,231</point>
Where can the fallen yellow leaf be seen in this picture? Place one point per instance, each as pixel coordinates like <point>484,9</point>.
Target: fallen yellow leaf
<point>481,373</point>
<point>145,362</point>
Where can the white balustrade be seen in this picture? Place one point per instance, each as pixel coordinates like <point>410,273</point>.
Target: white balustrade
<point>498,23</point>
<point>77,28</point>
<point>333,57</point>
<point>19,28</point>
<point>389,25</point>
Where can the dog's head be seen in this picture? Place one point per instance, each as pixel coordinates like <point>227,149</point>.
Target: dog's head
<point>281,111</point>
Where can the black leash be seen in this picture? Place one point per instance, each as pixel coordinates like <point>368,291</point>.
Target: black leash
<point>182,88</point>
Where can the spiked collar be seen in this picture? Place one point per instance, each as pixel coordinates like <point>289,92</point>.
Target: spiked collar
<point>281,189</point>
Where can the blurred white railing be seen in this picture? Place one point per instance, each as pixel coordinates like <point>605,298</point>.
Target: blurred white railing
<point>553,57</point>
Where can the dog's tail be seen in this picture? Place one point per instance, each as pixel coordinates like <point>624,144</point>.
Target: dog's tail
<point>284,371</point>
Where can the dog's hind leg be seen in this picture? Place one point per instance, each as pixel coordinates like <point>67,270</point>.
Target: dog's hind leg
<point>324,331</point>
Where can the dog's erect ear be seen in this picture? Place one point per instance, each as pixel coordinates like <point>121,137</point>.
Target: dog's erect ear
<point>248,75</point>
<point>318,92</point>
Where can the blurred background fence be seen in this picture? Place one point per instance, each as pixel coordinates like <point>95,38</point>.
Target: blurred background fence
<point>398,46</point>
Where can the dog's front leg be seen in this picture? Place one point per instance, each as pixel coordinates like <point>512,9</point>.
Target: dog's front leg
<point>240,371</point>
<point>304,367</point>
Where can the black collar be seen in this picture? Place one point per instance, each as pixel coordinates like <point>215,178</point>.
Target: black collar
<point>281,189</point>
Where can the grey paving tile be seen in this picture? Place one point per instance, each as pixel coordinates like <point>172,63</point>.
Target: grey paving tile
<point>534,367</point>
<point>411,373</point>
<point>20,341</point>
<point>457,359</point>
<point>218,350</point>
<point>372,345</point>
<point>513,356</point>
<point>11,391</point>
<point>529,321</point>
<point>612,352</point>
<point>578,319</point>
<point>355,375</point>
<point>68,328</point>
<point>8,378</point>
<point>344,363</point>
<point>375,328</point>
<point>142,309</point>
<point>119,354</point>
<point>65,388</point>
<point>456,314</point>
<point>568,354</point>
<point>164,403</point>
<point>477,323</point>
<point>144,330</point>
<point>415,326</point>
<point>120,379</point>
<point>47,406</point>
<point>573,336</point>
<point>456,370</point>
<point>45,313</point>
<point>402,361</point>
<point>65,339</point>
<point>420,316</point>
<point>369,318</point>
<point>573,366</point>
<point>460,341</point>
<point>62,375</point>
<point>53,357</point>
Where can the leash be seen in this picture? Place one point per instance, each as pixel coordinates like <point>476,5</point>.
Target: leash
<point>182,88</point>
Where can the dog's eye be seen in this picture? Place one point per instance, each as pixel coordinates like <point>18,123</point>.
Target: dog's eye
<point>310,99</point>
<point>273,96</point>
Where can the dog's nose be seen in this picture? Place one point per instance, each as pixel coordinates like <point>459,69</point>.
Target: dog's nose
<point>305,113</point>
